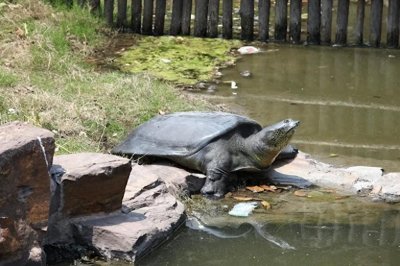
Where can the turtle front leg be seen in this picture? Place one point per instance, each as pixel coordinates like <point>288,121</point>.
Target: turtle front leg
<point>217,183</point>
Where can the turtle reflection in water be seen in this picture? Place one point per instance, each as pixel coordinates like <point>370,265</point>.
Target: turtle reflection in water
<point>215,143</point>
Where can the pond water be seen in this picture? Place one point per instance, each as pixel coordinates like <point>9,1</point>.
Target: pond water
<point>302,231</point>
<point>348,100</point>
<point>349,104</point>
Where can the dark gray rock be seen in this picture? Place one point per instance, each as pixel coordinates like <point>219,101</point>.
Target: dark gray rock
<point>84,184</point>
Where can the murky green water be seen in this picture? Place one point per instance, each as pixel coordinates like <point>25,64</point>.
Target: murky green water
<point>348,100</point>
<point>294,232</point>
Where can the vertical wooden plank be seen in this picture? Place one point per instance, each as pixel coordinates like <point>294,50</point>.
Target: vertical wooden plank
<point>359,27</point>
<point>95,7</point>
<point>314,22</point>
<point>82,3</point>
<point>186,16</point>
<point>69,3</point>
<point>247,19</point>
<point>176,19</point>
<point>109,11</point>
<point>148,17</point>
<point>376,22</point>
<point>200,23</point>
<point>280,20</point>
<point>121,13</point>
<point>213,14</point>
<point>136,16</point>
<point>326,21</point>
<point>393,24</point>
<point>160,17</point>
<point>227,20</point>
<point>341,23</point>
<point>295,21</point>
<point>264,7</point>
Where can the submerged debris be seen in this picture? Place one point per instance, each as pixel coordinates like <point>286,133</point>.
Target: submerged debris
<point>243,209</point>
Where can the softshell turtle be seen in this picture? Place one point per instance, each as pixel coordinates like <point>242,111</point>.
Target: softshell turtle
<point>215,143</point>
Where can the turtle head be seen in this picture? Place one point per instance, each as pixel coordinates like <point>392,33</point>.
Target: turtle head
<point>269,142</point>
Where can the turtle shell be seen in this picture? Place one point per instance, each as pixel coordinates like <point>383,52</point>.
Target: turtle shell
<point>184,133</point>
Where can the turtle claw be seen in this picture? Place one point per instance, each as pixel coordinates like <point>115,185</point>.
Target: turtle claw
<point>213,190</point>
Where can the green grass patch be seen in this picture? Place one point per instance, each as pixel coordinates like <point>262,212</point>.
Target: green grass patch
<point>182,60</point>
<point>45,80</point>
<point>7,79</point>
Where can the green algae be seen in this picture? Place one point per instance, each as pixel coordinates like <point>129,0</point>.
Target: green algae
<point>181,60</point>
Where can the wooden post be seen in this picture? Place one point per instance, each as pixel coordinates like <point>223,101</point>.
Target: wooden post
<point>213,14</point>
<point>95,7</point>
<point>148,17</point>
<point>82,3</point>
<point>393,24</point>
<point>136,16</point>
<point>359,28</point>
<point>160,17</point>
<point>176,20</point>
<point>295,21</point>
<point>121,14</point>
<point>314,22</point>
<point>376,22</point>
<point>247,19</point>
<point>280,20</point>
<point>326,21</point>
<point>68,3</point>
<point>200,22</point>
<point>341,23</point>
<point>227,21</point>
<point>109,11</point>
<point>186,16</point>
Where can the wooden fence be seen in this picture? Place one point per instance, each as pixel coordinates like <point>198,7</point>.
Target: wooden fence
<point>294,21</point>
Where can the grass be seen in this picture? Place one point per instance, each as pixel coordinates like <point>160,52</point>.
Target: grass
<point>45,80</point>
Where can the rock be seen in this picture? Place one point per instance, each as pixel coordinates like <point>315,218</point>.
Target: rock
<point>387,188</point>
<point>150,216</point>
<point>85,184</point>
<point>177,180</point>
<point>245,73</point>
<point>363,180</point>
<point>366,176</point>
<point>26,152</point>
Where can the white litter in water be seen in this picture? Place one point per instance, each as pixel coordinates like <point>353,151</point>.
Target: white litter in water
<point>233,85</point>
<point>248,50</point>
<point>243,209</point>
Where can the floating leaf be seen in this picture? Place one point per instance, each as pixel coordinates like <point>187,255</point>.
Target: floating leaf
<point>266,204</point>
<point>332,155</point>
<point>269,188</point>
<point>256,189</point>
<point>242,198</point>
<point>300,193</point>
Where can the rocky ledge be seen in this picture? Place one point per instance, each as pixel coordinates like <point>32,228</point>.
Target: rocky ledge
<point>102,204</point>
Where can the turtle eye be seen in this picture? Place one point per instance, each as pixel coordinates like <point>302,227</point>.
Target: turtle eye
<point>286,121</point>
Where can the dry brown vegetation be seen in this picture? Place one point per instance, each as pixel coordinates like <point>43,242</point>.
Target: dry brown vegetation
<point>44,79</point>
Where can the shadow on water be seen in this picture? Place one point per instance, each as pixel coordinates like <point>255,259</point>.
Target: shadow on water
<point>348,100</point>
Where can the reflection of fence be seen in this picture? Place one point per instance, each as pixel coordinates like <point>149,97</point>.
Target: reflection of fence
<point>288,18</point>
<point>357,229</point>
